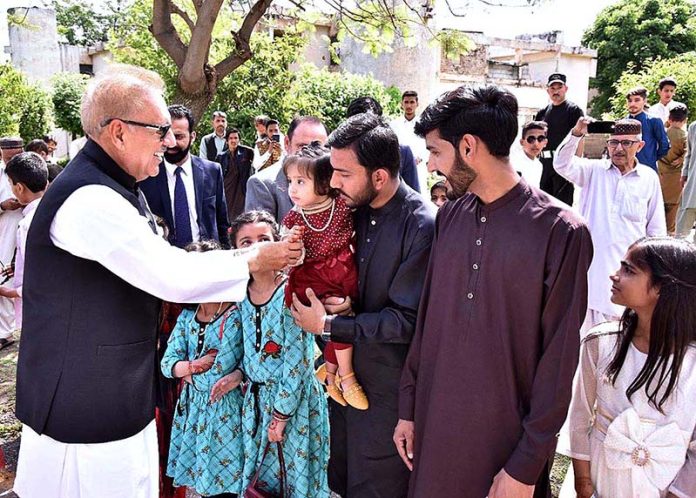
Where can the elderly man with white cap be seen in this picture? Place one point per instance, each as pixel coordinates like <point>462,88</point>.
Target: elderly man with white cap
<point>621,200</point>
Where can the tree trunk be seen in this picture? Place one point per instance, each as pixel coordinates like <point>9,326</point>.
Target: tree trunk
<point>198,102</point>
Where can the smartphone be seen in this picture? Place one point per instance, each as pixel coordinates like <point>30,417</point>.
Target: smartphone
<point>601,127</point>
<point>275,138</point>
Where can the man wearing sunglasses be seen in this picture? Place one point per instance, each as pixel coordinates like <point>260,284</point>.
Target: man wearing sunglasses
<point>621,200</point>
<point>96,271</point>
<point>525,159</point>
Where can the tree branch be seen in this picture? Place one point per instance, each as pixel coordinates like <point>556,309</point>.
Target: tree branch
<point>165,33</point>
<point>183,14</point>
<point>195,76</point>
<point>242,52</point>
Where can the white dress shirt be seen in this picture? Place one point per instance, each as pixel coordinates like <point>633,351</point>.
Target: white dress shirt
<point>661,111</point>
<point>619,210</point>
<point>530,169</point>
<point>187,177</point>
<point>404,132</point>
<point>98,224</point>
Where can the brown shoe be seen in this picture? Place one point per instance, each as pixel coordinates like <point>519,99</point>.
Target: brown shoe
<point>355,395</point>
<point>331,389</point>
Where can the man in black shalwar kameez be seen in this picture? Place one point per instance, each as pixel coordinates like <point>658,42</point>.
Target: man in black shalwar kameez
<point>487,382</point>
<point>394,231</point>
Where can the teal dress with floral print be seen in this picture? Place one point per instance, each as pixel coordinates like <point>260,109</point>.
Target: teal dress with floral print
<point>278,360</point>
<point>206,448</point>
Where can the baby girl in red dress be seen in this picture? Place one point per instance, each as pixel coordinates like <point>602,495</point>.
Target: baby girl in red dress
<point>329,267</point>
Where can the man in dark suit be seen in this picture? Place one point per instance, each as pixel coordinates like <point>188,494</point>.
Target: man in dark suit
<point>236,170</point>
<point>188,191</point>
<point>267,190</point>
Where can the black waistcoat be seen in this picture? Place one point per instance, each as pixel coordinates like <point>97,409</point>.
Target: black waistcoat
<point>211,148</point>
<point>87,363</point>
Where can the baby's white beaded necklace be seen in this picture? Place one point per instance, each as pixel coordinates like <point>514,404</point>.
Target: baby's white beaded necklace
<point>328,222</point>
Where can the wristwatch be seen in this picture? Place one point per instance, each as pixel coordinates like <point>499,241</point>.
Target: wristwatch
<point>326,333</point>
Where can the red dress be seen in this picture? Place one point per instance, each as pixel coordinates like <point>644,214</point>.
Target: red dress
<point>329,266</point>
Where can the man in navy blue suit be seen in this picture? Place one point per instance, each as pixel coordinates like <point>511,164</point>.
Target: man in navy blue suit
<point>188,192</point>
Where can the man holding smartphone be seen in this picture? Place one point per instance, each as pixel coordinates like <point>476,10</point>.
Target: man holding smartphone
<point>561,115</point>
<point>621,200</point>
<point>269,148</point>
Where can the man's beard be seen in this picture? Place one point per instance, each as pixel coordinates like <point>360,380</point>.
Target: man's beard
<point>460,179</point>
<point>363,198</point>
<point>176,155</point>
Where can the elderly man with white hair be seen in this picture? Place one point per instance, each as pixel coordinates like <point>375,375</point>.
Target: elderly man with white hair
<point>621,200</point>
<point>96,269</point>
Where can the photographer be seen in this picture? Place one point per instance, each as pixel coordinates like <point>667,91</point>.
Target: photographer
<point>621,200</point>
<point>269,146</point>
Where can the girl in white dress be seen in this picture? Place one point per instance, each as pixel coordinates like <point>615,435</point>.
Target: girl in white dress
<point>633,414</point>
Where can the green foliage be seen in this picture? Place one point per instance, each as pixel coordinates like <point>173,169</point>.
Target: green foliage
<point>79,23</point>
<point>36,118</point>
<point>25,109</point>
<point>267,84</point>
<point>67,95</point>
<point>680,67</point>
<point>630,34</point>
<point>326,94</point>
<point>13,91</point>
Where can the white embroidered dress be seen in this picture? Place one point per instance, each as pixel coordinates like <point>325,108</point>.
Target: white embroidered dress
<point>634,450</point>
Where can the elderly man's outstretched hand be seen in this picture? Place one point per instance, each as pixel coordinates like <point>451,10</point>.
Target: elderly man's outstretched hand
<point>276,255</point>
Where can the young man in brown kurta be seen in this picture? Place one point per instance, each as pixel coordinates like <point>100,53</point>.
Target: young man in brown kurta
<point>487,381</point>
<point>670,166</point>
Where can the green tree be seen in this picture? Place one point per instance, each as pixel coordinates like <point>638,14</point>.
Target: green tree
<point>327,94</point>
<point>13,91</point>
<point>79,23</point>
<point>67,96</point>
<point>630,34</point>
<point>35,120</point>
<point>680,67</point>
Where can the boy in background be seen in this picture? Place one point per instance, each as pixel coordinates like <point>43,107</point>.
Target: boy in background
<point>28,176</point>
<point>669,167</point>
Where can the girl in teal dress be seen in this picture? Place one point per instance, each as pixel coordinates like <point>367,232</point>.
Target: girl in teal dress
<point>283,400</point>
<point>205,349</point>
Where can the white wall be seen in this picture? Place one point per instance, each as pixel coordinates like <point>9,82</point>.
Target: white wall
<point>577,69</point>
<point>34,49</point>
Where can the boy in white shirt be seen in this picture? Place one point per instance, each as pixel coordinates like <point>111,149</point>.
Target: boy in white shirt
<point>28,177</point>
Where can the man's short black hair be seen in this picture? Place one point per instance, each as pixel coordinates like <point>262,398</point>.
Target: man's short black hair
<point>30,169</point>
<point>53,171</point>
<point>639,91</point>
<point>372,139</point>
<point>178,111</point>
<point>37,146</point>
<point>364,104</point>
<point>487,112</point>
<point>409,93</point>
<point>678,113</point>
<point>298,120</point>
<point>49,138</point>
<point>667,81</point>
<point>230,131</point>
<point>534,125</point>
<point>271,121</point>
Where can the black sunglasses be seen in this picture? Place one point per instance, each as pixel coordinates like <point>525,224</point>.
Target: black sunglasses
<point>161,130</point>
<point>531,139</point>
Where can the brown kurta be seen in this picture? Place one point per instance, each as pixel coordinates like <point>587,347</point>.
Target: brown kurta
<point>669,168</point>
<point>489,373</point>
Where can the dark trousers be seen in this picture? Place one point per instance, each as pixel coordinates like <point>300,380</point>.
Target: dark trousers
<point>554,184</point>
<point>364,462</point>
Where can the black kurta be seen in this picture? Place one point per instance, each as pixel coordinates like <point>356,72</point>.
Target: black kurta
<point>488,377</point>
<point>393,246</point>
